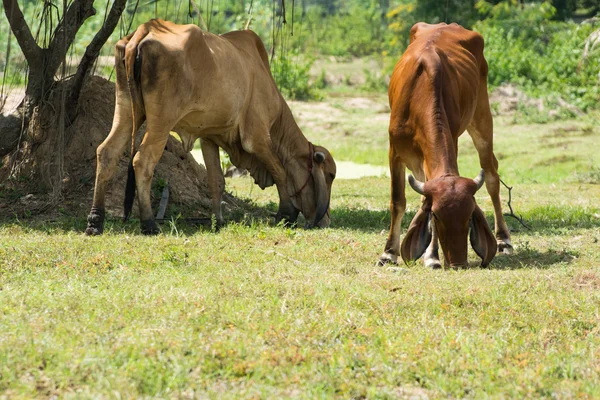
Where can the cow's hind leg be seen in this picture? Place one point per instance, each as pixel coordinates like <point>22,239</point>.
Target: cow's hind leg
<point>108,155</point>
<point>481,130</point>
<point>144,162</point>
<point>216,181</point>
<point>397,208</point>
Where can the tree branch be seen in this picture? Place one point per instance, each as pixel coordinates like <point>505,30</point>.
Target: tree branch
<point>21,30</point>
<point>92,52</point>
<point>65,32</point>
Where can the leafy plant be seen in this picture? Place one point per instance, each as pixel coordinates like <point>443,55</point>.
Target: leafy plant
<point>291,73</point>
<point>545,57</point>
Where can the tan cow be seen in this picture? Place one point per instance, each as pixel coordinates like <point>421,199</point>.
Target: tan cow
<point>437,91</point>
<point>219,89</point>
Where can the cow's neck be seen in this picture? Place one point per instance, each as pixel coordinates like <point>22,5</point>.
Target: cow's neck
<point>287,138</point>
<point>440,154</point>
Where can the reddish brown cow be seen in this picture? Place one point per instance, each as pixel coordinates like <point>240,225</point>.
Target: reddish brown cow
<point>437,91</point>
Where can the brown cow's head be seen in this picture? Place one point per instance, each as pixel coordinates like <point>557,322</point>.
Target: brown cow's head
<point>450,203</point>
<point>312,187</point>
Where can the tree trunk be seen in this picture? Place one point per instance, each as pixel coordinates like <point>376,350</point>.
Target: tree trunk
<point>90,56</point>
<point>44,63</point>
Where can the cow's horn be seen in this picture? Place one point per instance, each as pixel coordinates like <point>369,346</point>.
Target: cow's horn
<point>321,195</point>
<point>417,186</point>
<point>479,179</point>
<point>319,157</point>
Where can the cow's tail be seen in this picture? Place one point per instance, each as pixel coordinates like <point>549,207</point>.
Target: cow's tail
<point>133,69</point>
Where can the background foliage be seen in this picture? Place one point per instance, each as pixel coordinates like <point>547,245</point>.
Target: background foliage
<point>535,45</point>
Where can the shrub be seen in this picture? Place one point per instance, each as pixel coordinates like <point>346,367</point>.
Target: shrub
<point>541,56</point>
<point>358,32</point>
<point>291,73</point>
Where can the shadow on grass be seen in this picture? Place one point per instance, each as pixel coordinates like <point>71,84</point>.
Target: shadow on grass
<point>545,220</point>
<point>370,221</point>
<point>180,220</point>
<point>533,258</point>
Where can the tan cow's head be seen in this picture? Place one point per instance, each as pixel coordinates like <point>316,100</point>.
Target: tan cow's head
<point>311,182</point>
<point>450,202</point>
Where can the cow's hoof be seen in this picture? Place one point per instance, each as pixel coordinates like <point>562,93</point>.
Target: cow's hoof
<point>93,231</point>
<point>433,263</point>
<point>287,220</point>
<point>149,227</point>
<point>505,247</point>
<point>385,259</point>
<point>216,225</point>
<point>95,224</point>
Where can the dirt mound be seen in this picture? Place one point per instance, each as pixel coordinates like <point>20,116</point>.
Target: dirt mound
<point>30,190</point>
<point>508,99</point>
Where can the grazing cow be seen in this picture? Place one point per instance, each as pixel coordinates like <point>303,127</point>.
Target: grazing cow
<point>437,90</point>
<point>219,89</point>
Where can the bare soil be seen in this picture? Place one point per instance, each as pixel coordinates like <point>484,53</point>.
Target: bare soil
<point>28,191</point>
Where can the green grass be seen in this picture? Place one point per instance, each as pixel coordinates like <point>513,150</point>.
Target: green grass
<point>356,129</point>
<point>258,310</point>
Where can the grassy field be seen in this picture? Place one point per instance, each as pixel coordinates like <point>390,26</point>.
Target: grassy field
<point>356,129</point>
<point>263,311</point>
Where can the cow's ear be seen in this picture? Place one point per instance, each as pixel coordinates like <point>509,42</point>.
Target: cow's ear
<point>482,238</point>
<point>417,237</point>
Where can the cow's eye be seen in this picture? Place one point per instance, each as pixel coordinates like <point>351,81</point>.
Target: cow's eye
<point>434,216</point>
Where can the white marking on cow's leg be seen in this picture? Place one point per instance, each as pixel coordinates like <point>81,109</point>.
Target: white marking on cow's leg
<point>431,257</point>
<point>505,246</point>
<point>144,162</point>
<point>397,208</point>
<point>216,181</point>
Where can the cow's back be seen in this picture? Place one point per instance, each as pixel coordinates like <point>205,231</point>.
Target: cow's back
<point>256,61</point>
<point>440,73</point>
<point>211,82</point>
<point>182,64</point>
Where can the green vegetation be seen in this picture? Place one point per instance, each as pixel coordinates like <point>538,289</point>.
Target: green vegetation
<point>257,310</point>
<point>545,57</point>
<point>534,45</point>
<point>356,129</point>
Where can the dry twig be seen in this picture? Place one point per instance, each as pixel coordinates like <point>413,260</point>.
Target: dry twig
<point>512,214</point>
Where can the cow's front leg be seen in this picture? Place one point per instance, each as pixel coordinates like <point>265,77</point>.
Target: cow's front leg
<point>397,208</point>
<point>481,130</point>
<point>144,162</point>
<point>287,212</point>
<point>431,257</point>
<point>492,184</point>
<point>216,181</point>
